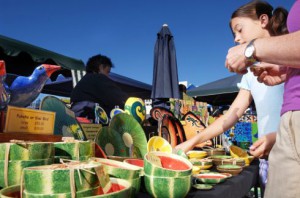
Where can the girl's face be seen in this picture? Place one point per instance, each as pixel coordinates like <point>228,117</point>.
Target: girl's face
<point>245,29</point>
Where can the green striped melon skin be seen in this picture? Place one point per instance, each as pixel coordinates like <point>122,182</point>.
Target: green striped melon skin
<point>28,150</point>
<point>118,169</point>
<point>168,187</point>
<point>84,193</point>
<point>14,191</point>
<point>68,149</point>
<point>15,168</point>
<point>135,186</point>
<point>55,180</point>
<point>154,170</point>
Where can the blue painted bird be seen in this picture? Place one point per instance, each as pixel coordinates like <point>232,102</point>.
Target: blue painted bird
<point>24,90</point>
<point>4,90</point>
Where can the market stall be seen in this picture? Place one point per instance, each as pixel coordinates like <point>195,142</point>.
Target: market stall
<point>114,145</point>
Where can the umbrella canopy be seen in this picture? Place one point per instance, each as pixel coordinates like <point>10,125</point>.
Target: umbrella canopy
<point>220,92</point>
<point>165,75</point>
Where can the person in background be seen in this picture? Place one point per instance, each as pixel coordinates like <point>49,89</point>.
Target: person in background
<point>96,87</point>
<point>255,19</point>
<point>283,54</point>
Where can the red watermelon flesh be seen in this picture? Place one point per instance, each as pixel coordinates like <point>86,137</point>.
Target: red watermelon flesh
<point>114,188</point>
<point>136,162</point>
<point>174,164</point>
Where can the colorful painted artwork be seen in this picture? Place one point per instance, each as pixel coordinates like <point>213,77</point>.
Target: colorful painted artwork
<point>188,104</point>
<point>243,132</point>
<point>136,107</point>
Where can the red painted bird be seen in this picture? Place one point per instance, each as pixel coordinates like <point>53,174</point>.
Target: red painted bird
<point>24,90</point>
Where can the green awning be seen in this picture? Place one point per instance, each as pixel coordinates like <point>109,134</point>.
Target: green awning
<point>12,47</point>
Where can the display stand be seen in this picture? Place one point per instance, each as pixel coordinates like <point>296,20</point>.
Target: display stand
<point>6,137</point>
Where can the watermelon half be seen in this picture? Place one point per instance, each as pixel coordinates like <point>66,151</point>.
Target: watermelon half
<point>172,165</point>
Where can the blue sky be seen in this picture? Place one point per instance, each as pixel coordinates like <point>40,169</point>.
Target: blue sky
<point>125,30</point>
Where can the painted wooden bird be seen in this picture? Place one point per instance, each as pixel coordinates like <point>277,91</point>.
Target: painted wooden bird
<point>4,90</point>
<point>24,90</point>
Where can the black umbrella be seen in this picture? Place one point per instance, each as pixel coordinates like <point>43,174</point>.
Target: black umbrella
<point>165,75</point>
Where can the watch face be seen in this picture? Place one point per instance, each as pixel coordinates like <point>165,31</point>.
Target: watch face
<point>249,51</point>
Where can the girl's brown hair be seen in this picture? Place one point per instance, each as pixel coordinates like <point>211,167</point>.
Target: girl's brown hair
<point>254,9</point>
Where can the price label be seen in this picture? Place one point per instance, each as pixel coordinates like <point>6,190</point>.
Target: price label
<point>91,130</point>
<point>154,159</point>
<point>104,180</point>
<point>29,120</point>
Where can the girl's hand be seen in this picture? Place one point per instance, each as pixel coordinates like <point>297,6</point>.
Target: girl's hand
<point>262,147</point>
<point>269,74</point>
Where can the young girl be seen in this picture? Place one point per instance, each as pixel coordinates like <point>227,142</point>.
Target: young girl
<point>256,19</point>
<point>284,158</point>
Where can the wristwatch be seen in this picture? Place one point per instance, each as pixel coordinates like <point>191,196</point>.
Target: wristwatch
<point>250,52</point>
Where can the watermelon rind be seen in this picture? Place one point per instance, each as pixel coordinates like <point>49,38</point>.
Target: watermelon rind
<point>79,150</point>
<point>168,187</point>
<point>15,168</point>
<point>55,178</point>
<point>27,150</point>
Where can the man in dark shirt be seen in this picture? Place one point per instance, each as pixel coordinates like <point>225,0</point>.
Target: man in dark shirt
<point>96,87</point>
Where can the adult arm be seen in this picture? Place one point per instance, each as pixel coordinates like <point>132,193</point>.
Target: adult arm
<point>223,123</point>
<point>280,50</point>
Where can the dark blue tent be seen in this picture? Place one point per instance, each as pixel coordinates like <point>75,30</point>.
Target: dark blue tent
<point>21,59</point>
<point>219,92</point>
<point>63,86</point>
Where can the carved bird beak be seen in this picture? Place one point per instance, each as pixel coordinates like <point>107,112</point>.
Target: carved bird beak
<point>51,68</point>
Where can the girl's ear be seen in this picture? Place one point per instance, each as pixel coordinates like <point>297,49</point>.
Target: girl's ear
<point>264,20</point>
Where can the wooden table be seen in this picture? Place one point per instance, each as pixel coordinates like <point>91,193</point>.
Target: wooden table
<point>6,137</point>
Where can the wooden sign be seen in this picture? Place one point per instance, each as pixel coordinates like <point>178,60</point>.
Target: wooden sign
<point>29,120</point>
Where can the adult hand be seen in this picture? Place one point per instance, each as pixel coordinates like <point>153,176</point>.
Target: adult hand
<point>236,60</point>
<point>262,147</point>
<point>269,74</point>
